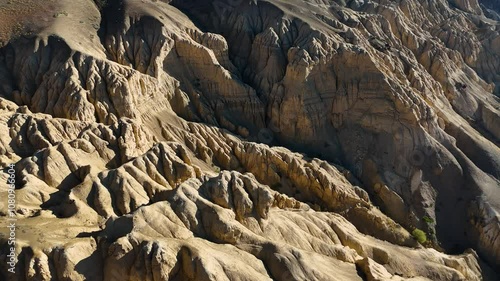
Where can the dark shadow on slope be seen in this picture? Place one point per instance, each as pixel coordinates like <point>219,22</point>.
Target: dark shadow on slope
<point>488,272</point>
<point>112,18</point>
<point>60,204</point>
<point>89,268</point>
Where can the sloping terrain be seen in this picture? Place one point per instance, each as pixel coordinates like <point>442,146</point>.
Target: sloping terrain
<point>251,140</point>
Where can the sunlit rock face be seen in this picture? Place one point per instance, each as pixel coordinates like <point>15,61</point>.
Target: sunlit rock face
<point>252,140</point>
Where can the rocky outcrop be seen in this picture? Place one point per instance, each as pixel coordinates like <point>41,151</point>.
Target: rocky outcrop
<point>254,140</point>
<point>470,6</point>
<point>231,221</point>
<point>322,70</point>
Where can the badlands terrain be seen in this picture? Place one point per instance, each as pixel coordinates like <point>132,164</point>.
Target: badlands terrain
<point>250,139</point>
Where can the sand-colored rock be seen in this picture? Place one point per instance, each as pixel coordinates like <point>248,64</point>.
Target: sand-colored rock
<point>252,140</point>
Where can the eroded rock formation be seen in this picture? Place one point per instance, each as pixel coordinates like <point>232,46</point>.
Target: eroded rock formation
<point>254,140</point>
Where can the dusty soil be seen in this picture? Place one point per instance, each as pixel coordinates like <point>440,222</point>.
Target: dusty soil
<point>25,17</point>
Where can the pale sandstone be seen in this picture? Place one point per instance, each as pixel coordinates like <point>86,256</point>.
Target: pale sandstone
<point>119,136</point>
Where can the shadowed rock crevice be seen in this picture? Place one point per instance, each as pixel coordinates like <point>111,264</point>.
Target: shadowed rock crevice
<point>254,140</point>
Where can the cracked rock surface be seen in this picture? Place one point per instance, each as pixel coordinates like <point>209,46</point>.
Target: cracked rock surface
<point>251,140</point>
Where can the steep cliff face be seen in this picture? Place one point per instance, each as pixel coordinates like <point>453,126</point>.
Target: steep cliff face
<point>392,85</point>
<point>339,127</point>
<point>490,4</point>
<point>491,9</point>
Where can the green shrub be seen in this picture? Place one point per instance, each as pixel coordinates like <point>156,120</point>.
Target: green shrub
<point>428,219</point>
<point>419,235</point>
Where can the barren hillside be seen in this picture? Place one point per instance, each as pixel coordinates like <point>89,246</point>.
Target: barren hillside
<point>250,140</point>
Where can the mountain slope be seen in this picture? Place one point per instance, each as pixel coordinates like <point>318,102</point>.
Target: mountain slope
<point>253,140</point>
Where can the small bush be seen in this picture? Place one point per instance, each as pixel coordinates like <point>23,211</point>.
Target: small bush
<point>428,220</point>
<point>419,235</point>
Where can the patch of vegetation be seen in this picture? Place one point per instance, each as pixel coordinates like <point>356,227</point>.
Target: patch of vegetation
<point>60,14</point>
<point>428,220</point>
<point>216,169</point>
<point>419,235</point>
